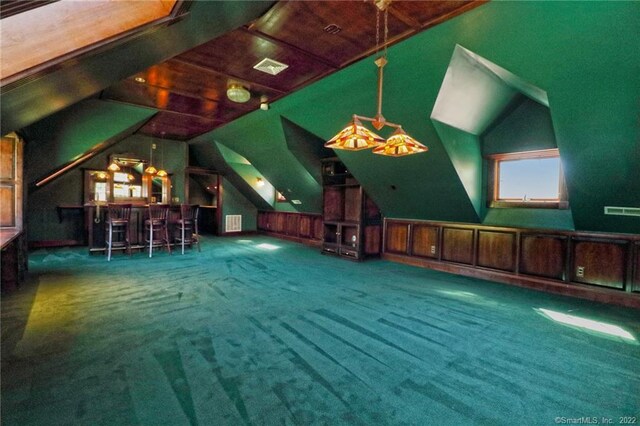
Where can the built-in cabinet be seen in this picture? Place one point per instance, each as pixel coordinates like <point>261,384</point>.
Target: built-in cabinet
<point>301,227</point>
<point>536,258</point>
<point>352,221</point>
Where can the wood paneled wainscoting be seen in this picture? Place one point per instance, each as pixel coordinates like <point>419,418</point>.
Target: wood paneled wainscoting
<point>589,265</point>
<point>300,227</point>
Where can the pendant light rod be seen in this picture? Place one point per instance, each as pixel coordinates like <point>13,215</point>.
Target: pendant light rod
<point>380,121</point>
<point>380,82</point>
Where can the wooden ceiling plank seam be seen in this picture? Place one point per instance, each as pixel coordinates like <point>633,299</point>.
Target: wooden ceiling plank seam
<point>416,25</point>
<point>391,41</point>
<point>95,150</point>
<point>290,46</point>
<point>225,74</point>
<point>186,114</point>
<point>178,130</point>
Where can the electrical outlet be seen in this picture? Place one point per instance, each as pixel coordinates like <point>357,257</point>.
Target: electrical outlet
<point>433,249</point>
<point>580,271</point>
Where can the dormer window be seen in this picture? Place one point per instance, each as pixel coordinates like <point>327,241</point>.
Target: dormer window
<point>531,179</point>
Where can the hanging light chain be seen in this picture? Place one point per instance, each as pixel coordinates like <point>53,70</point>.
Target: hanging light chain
<point>377,31</point>
<point>386,30</point>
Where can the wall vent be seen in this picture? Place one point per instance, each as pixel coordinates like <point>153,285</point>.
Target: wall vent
<point>270,66</point>
<point>622,211</point>
<point>233,223</point>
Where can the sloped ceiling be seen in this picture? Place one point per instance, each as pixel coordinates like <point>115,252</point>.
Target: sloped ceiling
<point>585,55</point>
<point>307,148</point>
<point>70,133</point>
<point>31,99</point>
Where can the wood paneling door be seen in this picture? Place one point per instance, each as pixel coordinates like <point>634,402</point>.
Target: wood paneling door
<point>543,255</point>
<point>497,250</point>
<point>457,245</point>
<point>599,263</point>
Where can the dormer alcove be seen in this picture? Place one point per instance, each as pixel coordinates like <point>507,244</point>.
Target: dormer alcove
<point>483,110</point>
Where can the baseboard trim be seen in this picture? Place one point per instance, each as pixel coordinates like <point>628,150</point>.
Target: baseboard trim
<point>237,233</point>
<point>581,291</point>
<point>54,243</point>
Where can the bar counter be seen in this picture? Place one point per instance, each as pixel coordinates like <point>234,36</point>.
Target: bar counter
<point>95,216</point>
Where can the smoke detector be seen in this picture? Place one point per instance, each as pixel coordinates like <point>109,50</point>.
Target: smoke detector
<point>270,66</point>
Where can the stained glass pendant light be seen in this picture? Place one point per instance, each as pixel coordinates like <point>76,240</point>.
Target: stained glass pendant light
<point>400,144</point>
<point>355,136</point>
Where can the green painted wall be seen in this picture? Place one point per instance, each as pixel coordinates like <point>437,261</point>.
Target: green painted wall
<point>530,218</point>
<point>234,202</point>
<point>261,140</point>
<point>527,127</point>
<point>464,151</point>
<point>198,195</point>
<point>585,55</point>
<point>65,136</point>
<point>285,207</point>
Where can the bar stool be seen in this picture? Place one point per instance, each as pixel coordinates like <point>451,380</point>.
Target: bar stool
<point>188,225</point>
<point>157,227</point>
<point>117,223</point>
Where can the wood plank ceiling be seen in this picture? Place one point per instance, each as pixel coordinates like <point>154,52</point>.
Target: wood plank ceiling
<point>314,38</point>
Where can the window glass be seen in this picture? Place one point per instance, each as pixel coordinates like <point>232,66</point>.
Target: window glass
<point>536,179</point>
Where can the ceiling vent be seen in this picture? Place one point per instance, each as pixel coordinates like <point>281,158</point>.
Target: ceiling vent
<point>622,211</point>
<point>332,29</point>
<point>270,66</point>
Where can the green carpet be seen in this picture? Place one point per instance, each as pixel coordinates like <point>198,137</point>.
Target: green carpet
<point>257,331</point>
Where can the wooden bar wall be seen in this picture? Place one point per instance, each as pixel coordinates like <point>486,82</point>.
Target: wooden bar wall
<point>301,227</point>
<point>596,266</point>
